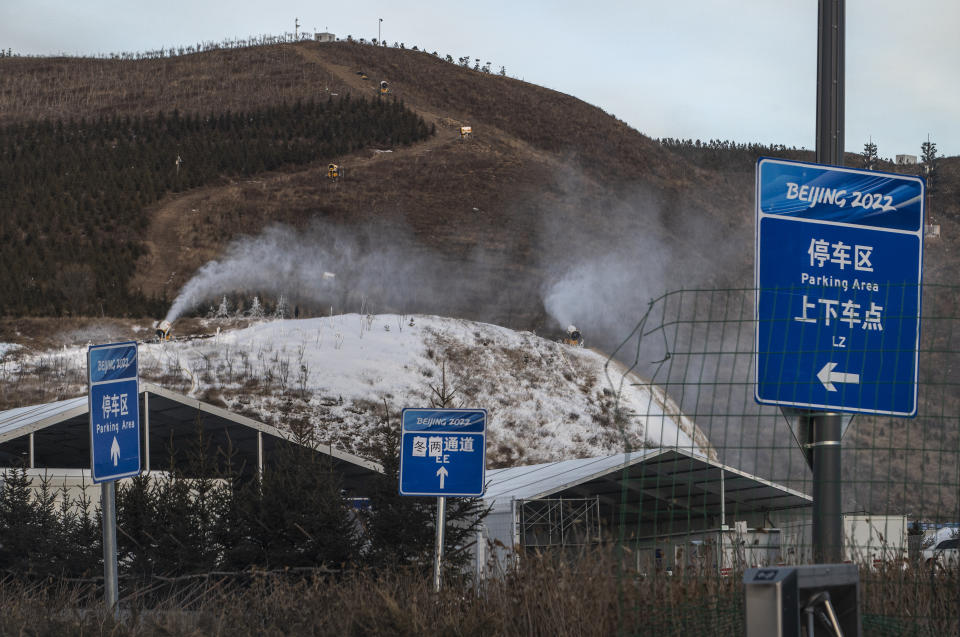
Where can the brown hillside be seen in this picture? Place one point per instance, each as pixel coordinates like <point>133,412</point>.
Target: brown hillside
<point>547,179</point>
<point>546,182</point>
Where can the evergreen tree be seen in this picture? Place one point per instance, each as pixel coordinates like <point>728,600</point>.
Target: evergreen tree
<point>930,161</point>
<point>869,155</point>
<point>83,536</point>
<point>136,517</point>
<point>223,311</point>
<point>292,516</point>
<point>38,538</point>
<point>401,530</point>
<point>256,309</point>
<point>282,309</point>
<point>17,548</point>
<point>74,191</point>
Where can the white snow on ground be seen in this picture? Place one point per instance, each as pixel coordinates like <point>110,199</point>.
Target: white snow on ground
<point>7,347</point>
<point>546,401</point>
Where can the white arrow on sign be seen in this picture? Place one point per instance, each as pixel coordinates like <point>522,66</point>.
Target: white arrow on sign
<point>443,473</point>
<point>828,377</point>
<point>115,451</point>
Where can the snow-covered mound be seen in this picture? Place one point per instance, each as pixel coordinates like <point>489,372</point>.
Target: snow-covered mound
<point>339,375</point>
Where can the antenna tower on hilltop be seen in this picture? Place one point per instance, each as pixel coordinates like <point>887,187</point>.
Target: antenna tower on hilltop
<point>296,28</point>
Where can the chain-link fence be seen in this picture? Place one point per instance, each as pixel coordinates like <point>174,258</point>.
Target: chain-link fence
<point>738,494</point>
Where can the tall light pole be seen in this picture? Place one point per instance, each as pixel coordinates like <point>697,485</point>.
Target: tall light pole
<point>379,42</point>
<point>826,428</point>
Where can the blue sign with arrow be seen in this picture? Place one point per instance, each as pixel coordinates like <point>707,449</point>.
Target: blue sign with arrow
<point>443,452</point>
<point>114,404</point>
<point>839,255</point>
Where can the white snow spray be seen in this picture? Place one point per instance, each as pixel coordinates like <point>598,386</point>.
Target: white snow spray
<point>603,280</point>
<point>323,264</point>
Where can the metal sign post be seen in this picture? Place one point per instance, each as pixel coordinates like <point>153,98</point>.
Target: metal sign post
<point>826,428</point>
<point>114,406</point>
<point>108,505</point>
<point>442,454</point>
<point>438,546</point>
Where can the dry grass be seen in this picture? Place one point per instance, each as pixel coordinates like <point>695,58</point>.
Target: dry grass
<point>547,596</point>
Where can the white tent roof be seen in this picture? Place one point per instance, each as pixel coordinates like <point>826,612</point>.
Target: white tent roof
<point>61,435</point>
<point>656,478</point>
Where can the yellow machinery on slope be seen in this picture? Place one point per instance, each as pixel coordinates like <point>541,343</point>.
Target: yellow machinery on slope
<point>163,329</point>
<point>384,87</point>
<point>573,337</point>
<point>466,132</point>
<point>334,171</point>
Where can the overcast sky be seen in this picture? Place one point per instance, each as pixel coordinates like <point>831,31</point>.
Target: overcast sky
<point>729,69</point>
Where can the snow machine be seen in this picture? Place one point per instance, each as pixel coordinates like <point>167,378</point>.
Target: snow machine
<point>573,337</point>
<point>163,330</point>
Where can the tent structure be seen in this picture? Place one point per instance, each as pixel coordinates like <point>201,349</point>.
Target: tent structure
<point>640,497</point>
<point>57,436</point>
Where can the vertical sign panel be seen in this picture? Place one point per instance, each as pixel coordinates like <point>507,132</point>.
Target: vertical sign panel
<point>838,266</point>
<point>114,411</point>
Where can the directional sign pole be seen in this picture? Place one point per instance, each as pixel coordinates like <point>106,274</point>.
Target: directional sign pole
<point>826,427</point>
<point>113,406</point>
<point>108,503</point>
<point>438,549</point>
<point>827,518</point>
<point>442,454</point>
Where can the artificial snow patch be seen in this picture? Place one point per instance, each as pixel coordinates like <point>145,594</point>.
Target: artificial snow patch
<point>6,348</point>
<point>339,375</point>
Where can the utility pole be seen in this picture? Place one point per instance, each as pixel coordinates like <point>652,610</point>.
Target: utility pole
<point>825,428</point>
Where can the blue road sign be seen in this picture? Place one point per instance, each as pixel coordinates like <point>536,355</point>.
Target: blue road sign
<point>443,452</point>
<point>114,404</point>
<point>839,255</point>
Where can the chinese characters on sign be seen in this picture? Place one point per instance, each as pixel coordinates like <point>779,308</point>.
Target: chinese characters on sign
<point>838,255</point>
<point>437,445</point>
<point>115,404</point>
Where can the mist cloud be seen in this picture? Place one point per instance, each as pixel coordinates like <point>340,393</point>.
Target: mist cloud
<point>381,267</point>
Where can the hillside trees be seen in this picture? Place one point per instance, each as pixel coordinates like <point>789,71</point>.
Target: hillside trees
<point>725,154</point>
<point>73,194</point>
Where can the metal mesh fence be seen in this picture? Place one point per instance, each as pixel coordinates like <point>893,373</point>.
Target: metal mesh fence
<point>739,494</point>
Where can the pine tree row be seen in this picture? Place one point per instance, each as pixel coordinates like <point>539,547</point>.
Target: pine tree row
<point>223,519</point>
<point>73,194</point>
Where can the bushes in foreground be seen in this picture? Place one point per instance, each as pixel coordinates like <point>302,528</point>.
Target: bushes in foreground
<point>209,516</point>
<point>590,595</point>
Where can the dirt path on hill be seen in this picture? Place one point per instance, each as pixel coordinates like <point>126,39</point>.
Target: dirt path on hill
<point>173,249</point>
<point>179,240</point>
